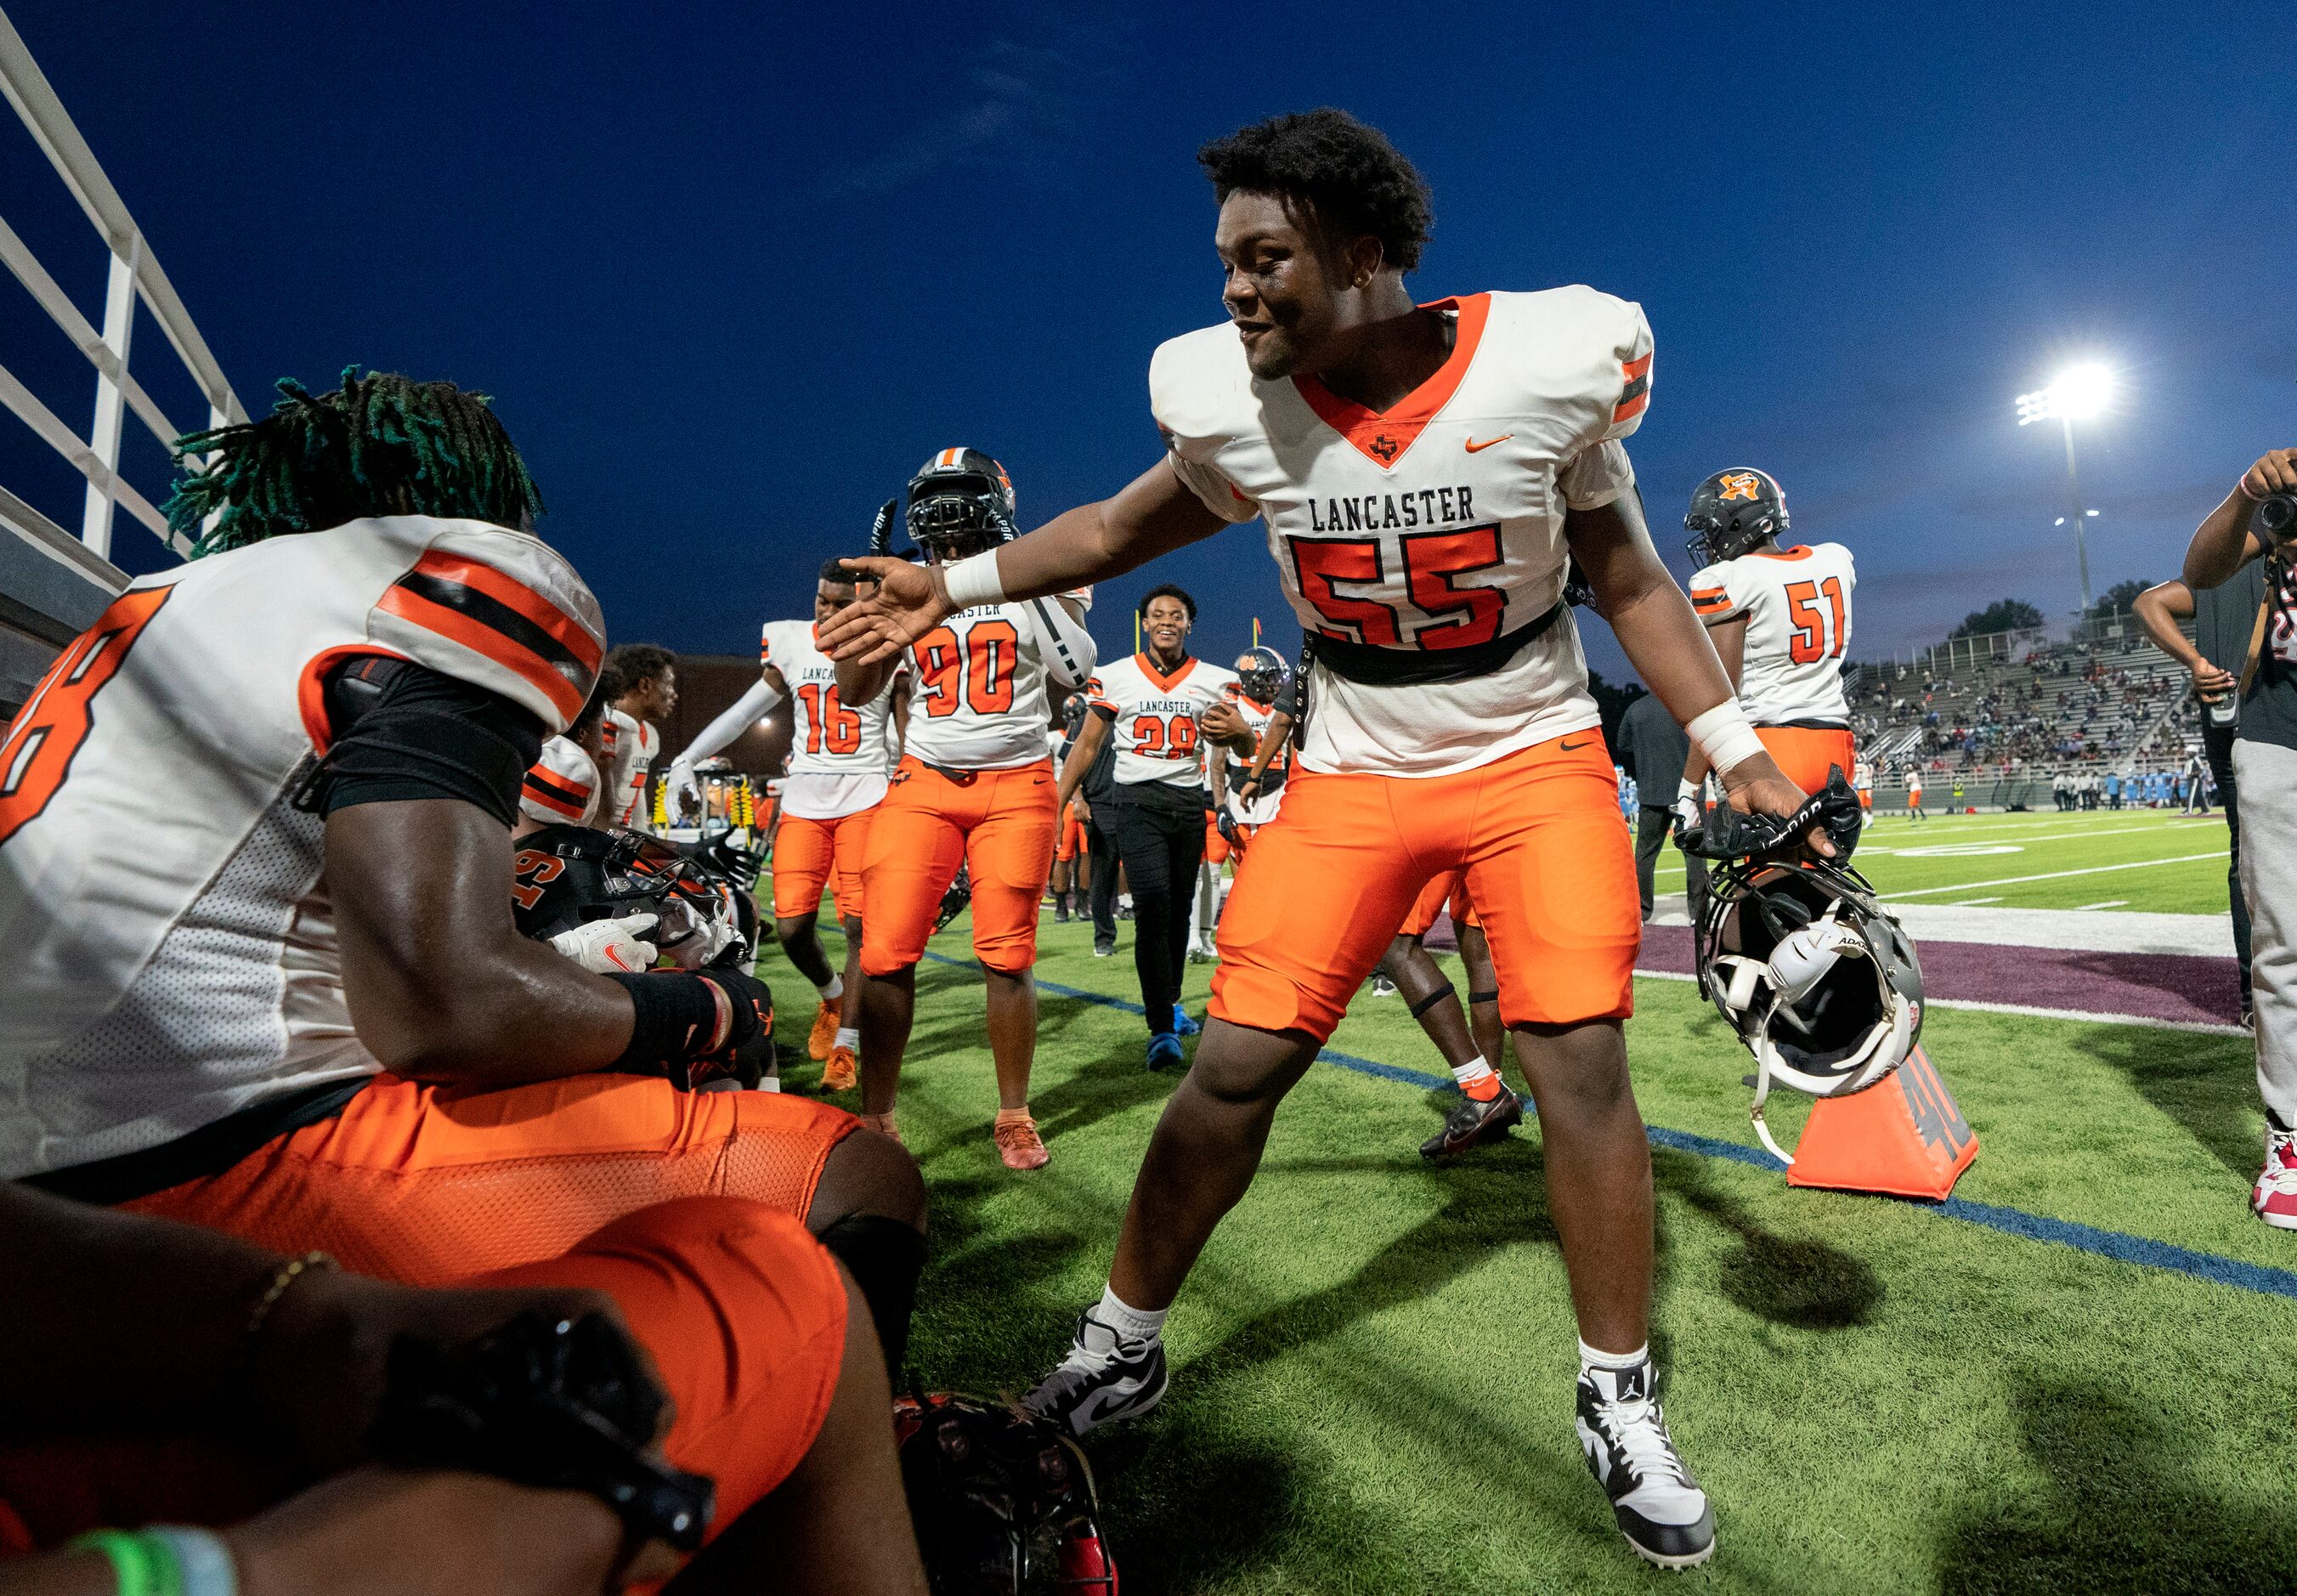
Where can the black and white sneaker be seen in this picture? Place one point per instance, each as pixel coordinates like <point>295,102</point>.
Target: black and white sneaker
<point>1105,1376</point>
<point>1659,1507</point>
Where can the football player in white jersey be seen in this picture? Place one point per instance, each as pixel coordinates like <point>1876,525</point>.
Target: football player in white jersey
<point>975,788</point>
<point>298,1009</point>
<point>836,777</point>
<point>1424,473</point>
<point>1780,619</point>
<point>1149,707</point>
<point>649,695</point>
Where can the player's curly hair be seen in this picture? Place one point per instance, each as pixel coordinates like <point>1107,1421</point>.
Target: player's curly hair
<point>641,662</point>
<point>1168,590</point>
<point>380,445</point>
<point>1343,171</point>
<point>834,571</point>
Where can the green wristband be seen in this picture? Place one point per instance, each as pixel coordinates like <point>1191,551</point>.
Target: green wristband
<point>143,1563</point>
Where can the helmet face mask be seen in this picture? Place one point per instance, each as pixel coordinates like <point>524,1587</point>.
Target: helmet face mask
<point>605,876</point>
<point>959,502</point>
<point>1817,980</point>
<point>1733,512</point>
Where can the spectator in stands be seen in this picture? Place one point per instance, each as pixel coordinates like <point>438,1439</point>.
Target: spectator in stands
<point>153,1372</point>
<point>2265,773</point>
<point>2224,616</point>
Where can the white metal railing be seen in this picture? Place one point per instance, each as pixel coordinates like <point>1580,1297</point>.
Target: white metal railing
<point>135,274</point>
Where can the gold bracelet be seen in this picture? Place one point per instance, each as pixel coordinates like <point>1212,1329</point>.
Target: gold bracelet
<point>291,1271</point>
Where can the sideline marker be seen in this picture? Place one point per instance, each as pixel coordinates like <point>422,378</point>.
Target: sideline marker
<point>1902,1137</point>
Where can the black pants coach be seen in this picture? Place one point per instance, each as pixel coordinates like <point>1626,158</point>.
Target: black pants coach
<point>1161,841</point>
<point>2216,747</point>
<point>1653,826</point>
<point>1102,895</point>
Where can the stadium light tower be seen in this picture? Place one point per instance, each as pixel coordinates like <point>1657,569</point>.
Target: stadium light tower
<point>2079,393</point>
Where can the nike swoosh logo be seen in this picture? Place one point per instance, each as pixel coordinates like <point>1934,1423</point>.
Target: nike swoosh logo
<point>1475,447</point>
<point>1567,746</point>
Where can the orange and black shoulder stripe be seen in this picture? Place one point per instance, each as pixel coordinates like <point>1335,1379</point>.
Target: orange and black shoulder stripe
<point>492,614</point>
<point>1710,601</point>
<point>555,793</point>
<point>1636,393</point>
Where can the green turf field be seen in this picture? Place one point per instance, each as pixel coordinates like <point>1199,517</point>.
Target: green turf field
<point>1372,1366</point>
<point>2136,859</point>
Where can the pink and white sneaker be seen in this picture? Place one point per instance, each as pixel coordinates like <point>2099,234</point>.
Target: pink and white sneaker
<point>2276,1197</point>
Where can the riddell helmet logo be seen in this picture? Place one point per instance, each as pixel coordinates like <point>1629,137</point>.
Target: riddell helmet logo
<point>1384,448</point>
<point>1741,484</point>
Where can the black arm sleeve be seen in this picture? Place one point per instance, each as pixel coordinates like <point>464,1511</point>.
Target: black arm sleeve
<point>404,731</point>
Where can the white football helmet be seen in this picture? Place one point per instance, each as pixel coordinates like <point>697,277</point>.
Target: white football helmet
<point>1819,980</point>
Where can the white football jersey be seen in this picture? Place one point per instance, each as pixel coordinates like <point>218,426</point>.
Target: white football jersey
<point>838,757</point>
<point>1262,810</point>
<point>634,745</point>
<point>562,787</point>
<point>1797,605</point>
<point>977,686</point>
<point>1154,718</point>
<point>171,943</point>
<point>1437,525</point>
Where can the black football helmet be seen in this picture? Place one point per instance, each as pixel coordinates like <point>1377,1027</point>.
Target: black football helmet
<point>959,502</point>
<point>566,876</point>
<point>1820,983</point>
<point>1074,710</point>
<point>1734,511</point>
<point>1262,672</point>
<point>1003,1504</point>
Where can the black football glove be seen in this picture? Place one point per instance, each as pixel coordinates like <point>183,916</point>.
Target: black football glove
<point>1726,833</point>
<point>1227,825</point>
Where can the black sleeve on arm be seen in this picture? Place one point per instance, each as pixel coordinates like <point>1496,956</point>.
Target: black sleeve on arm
<point>403,732</point>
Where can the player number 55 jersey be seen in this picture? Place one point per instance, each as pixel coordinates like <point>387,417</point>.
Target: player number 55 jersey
<point>1432,527</point>
<point>1796,602</point>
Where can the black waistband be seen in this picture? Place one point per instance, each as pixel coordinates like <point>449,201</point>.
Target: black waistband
<point>1803,725</point>
<point>1412,667</point>
<point>209,1150</point>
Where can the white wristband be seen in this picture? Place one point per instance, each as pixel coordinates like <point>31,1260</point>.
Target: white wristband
<point>1687,788</point>
<point>974,581</point>
<point>1725,735</point>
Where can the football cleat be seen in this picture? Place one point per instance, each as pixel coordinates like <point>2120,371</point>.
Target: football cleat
<point>1163,1050</point>
<point>1202,952</point>
<point>1019,1143</point>
<point>1106,1376</point>
<point>1381,986</point>
<point>841,1071</point>
<point>1659,1507</point>
<point>2274,1197</point>
<point>1182,1025</point>
<point>1061,912</point>
<point>824,1035</point>
<point>1473,1122</point>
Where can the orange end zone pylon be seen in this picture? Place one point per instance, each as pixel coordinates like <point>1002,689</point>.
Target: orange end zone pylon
<point>1903,1137</point>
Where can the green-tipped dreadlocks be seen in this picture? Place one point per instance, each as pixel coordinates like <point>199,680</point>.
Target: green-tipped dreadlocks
<point>381,445</point>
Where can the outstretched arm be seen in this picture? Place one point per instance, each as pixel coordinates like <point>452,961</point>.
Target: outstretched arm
<point>1670,650</point>
<point>1153,515</point>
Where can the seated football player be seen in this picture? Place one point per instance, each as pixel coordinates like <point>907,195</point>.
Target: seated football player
<point>158,1374</point>
<point>298,1009</point>
<point>837,763</point>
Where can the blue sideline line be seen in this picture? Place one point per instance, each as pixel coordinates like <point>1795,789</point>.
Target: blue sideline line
<point>2139,1250</point>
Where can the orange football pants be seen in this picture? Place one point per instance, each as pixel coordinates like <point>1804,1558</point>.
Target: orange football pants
<point>1216,846</point>
<point>427,1184</point>
<point>1538,838</point>
<point>742,1311</point>
<point>812,854</point>
<point>1000,824</point>
<point>1805,754</point>
<point>1071,839</point>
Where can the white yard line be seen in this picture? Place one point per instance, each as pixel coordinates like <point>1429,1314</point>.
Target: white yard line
<point>2082,1016</point>
<point>2140,864</point>
<point>1974,902</point>
<point>2084,907</point>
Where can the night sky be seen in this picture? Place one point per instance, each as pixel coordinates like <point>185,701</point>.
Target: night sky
<point>733,272</point>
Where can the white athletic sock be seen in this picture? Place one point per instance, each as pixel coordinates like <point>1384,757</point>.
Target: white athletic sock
<point>1474,1070</point>
<point>1593,1358</point>
<point>770,1083</point>
<point>847,1037</point>
<point>835,989</point>
<point>1124,899</point>
<point>1135,1324</point>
